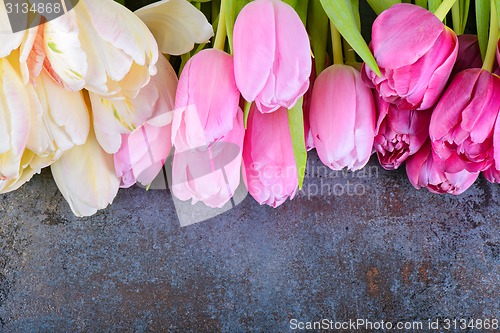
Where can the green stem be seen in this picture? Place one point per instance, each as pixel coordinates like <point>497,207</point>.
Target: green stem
<point>338,57</point>
<point>246,112</point>
<point>350,55</point>
<point>220,37</point>
<point>489,59</point>
<point>456,17</point>
<point>444,8</point>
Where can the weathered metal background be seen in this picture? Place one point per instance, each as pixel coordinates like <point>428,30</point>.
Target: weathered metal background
<point>389,253</point>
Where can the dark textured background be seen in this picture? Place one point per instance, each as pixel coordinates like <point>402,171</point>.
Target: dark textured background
<point>394,253</point>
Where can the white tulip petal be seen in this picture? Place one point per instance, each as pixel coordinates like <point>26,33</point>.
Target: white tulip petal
<point>85,175</point>
<point>176,24</point>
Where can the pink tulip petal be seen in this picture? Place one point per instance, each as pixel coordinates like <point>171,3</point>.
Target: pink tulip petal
<point>404,27</point>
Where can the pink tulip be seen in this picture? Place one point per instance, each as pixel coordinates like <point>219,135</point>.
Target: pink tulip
<point>461,127</point>
<point>272,57</point>
<point>269,169</point>
<point>492,175</point>
<point>415,53</point>
<point>342,118</point>
<point>207,130</point>
<point>425,169</point>
<point>210,174</point>
<point>144,151</point>
<point>306,107</point>
<point>399,134</point>
<point>207,87</point>
<point>469,54</point>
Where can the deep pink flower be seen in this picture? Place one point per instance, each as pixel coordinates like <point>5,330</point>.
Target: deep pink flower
<point>272,57</point>
<point>492,174</point>
<point>399,134</point>
<point>269,169</point>
<point>469,54</point>
<point>415,53</point>
<point>425,169</point>
<point>342,118</point>
<point>461,127</point>
<point>207,87</point>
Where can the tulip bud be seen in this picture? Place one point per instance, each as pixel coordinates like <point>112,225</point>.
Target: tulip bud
<point>415,53</point>
<point>462,122</point>
<point>425,169</point>
<point>272,57</point>
<point>342,118</point>
<point>399,134</point>
<point>269,169</point>
<point>469,54</point>
<point>212,173</point>
<point>207,87</point>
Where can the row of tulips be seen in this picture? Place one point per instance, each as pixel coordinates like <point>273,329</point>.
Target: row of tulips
<point>91,95</point>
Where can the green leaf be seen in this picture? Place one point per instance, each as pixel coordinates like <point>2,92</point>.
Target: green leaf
<point>379,6</point>
<point>483,24</point>
<point>340,13</point>
<point>233,8</point>
<point>317,26</point>
<point>121,2</point>
<point>421,3</point>
<point>464,9</point>
<point>296,124</point>
<point>497,3</point>
<point>434,5</point>
<point>300,7</point>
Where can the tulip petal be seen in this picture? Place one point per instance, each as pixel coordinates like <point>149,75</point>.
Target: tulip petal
<point>254,52</point>
<point>63,49</point>
<point>123,30</point>
<point>14,120</point>
<point>176,25</point>
<point>404,27</point>
<point>86,177</point>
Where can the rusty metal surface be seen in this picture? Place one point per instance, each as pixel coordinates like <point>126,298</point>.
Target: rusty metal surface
<point>389,253</point>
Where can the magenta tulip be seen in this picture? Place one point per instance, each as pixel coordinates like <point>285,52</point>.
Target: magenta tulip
<point>461,127</point>
<point>272,57</point>
<point>207,87</point>
<point>210,174</point>
<point>399,134</point>
<point>469,54</point>
<point>425,169</point>
<point>492,175</point>
<point>342,118</point>
<point>269,169</point>
<point>415,53</point>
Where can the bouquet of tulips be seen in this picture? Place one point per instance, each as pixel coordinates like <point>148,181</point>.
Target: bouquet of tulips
<point>105,96</point>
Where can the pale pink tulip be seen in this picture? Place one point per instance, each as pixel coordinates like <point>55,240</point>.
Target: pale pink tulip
<point>269,167</point>
<point>342,118</point>
<point>425,169</point>
<point>210,174</point>
<point>415,53</point>
<point>272,57</point>
<point>207,100</point>
<point>462,122</point>
<point>144,151</point>
<point>399,134</point>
